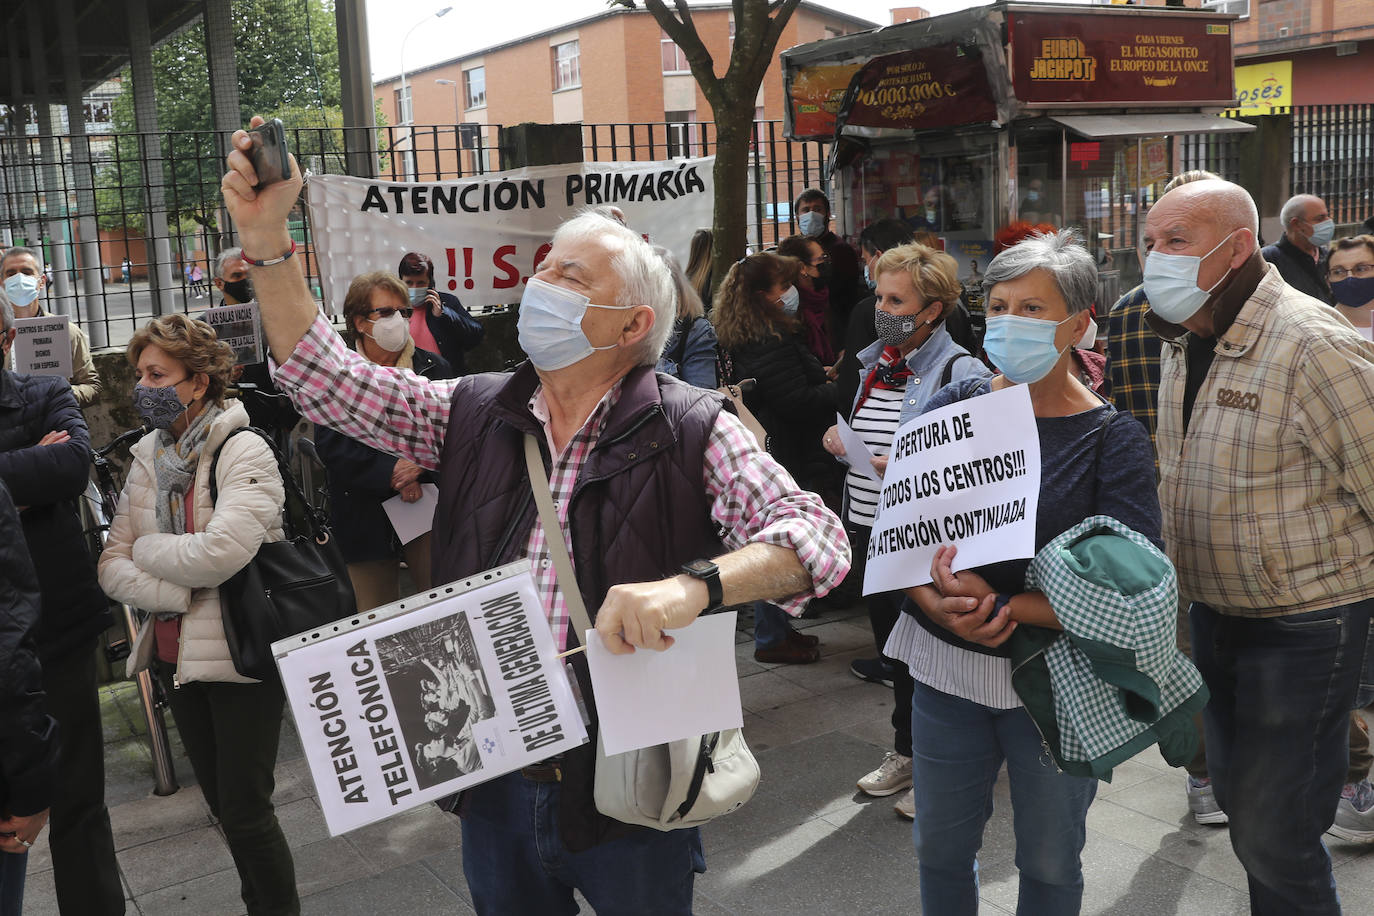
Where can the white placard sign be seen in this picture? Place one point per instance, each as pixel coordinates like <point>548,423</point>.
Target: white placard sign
<point>967,474</point>
<point>427,696</point>
<point>486,233</point>
<point>240,326</point>
<point>410,520</point>
<point>43,346</point>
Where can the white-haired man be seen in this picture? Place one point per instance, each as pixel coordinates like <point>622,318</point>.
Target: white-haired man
<point>1266,454</point>
<point>648,475</point>
<point>1300,255</point>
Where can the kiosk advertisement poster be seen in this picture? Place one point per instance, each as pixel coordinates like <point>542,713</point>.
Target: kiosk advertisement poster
<point>487,234</point>
<point>1101,59</point>
<point>419,699</point>
<point>967,474</point>
<point>815,95</point>
<point>938,86</point>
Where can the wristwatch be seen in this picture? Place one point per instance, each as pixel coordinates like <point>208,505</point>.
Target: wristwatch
<point>709,573</point>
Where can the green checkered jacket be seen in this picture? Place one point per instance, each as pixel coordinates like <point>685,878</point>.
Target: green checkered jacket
<point>1113,682</point>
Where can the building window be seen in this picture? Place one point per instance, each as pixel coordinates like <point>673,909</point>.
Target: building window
<point>732,36</point>
<point>683,132</point>
<point>403,104</point>
<point>674,60</point>
<point>475,87</point>
<point>567,68</point>
<point>1240,7</point>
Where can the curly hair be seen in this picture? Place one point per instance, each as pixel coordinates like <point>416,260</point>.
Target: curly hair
<point>192,343</point>
<point>934,274</point>
<point>358,299</point>
<point>741,313</point>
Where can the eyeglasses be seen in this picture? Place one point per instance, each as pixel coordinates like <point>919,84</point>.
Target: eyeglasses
<point>823,259</point>
<point>386,312</point>
<point>1337,274</point>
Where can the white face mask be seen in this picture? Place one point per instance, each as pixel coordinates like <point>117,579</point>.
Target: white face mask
<point>1171,284</point>
<point>550,325</point>
<point>391,333</point>
<point>1089,337</point>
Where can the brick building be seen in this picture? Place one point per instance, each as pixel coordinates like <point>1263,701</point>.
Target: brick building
<point>614,67</point>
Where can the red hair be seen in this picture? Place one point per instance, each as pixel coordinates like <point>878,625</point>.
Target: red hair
<point>1016,233</point>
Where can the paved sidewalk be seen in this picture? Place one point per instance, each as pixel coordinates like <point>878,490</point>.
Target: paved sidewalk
<point>807,843</point>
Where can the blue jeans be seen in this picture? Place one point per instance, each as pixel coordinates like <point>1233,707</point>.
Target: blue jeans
<point>960,746</point>
<point>771,625</point>
<point>12,869</point>
<point>1278,728</point>
<point>515,860</point>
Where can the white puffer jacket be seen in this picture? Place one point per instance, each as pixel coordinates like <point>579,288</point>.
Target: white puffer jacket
<point>181,573</point>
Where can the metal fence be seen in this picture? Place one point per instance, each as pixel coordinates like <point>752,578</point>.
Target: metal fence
<point>1333,157</point>
<point>123,222</point>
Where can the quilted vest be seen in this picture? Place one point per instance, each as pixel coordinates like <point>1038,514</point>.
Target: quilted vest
<point>639,511</point>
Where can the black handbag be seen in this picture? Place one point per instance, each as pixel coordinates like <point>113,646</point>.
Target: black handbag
<point>290,586</point>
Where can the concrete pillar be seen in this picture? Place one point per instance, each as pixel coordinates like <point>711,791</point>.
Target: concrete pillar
<point>224,88</point>
<point>89,274</point>
<point>150,152</point>
<point>1266,163</point>
<point>12,147</point>
<point>355,76</point>
<point>50,177</point>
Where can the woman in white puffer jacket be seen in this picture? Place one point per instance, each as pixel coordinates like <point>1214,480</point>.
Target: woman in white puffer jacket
<point>168,551</point>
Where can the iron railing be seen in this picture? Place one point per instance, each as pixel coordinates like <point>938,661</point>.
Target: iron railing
<point>1333,146</point>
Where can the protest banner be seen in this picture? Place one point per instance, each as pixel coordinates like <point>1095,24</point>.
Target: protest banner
<point>486,234</point>
<point>429,695</point>
<point>240,326</point>
<point>967,474</point>
<point>43,346</point>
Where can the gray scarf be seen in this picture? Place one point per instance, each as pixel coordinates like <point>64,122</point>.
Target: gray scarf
<point>174,465</point>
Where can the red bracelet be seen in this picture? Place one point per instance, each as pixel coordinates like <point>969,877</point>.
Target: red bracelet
<point>286,257</point>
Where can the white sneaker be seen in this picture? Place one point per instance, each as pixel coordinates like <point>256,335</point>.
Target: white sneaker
<point>1203,804</point>
<point>892,776</point>
<point>1355,814</point>
<point>906,805</point>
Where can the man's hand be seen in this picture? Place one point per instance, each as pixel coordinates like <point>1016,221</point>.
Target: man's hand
<point>436,308</point>
<point>411,493</point>
<point>832,443</point>
<point>56,437</point>
<point>259,216</point>
<point>15,829</point>
<point>636,614</point>
<point>403,474</point>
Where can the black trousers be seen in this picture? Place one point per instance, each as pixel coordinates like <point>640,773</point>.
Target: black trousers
<point>85,873</point>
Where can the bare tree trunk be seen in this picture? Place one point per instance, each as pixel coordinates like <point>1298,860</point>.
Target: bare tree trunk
<point>731,230</point>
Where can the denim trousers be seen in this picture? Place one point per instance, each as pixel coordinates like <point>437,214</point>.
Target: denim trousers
<point>771,625</point>
<point>230,732</point>
<point>1277,740</point>
<point>13,867</point>
<point>516,863</point>
<point>960,746</point>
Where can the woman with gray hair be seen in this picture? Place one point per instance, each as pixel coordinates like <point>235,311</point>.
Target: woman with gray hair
<point>966,717</point>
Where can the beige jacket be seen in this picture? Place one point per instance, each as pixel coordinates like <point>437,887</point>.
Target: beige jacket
<point>1269,499</point>
<point>181,574</point>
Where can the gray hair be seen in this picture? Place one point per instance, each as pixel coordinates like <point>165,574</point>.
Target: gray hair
<point>225,256</point>
<point>18,250</point>
<point>689,304</point>
<point>1061,254</point>
<point>644,278</point>
<point>6,313</point>
<point>1293,207</point>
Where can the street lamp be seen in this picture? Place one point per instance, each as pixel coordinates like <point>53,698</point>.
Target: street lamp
<point>457,112</point>
<point>407,117</point>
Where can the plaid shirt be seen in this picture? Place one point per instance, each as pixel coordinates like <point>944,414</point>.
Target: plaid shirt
<point>753,499</point>
<point>1269,499</point>
<point>1134,352</point>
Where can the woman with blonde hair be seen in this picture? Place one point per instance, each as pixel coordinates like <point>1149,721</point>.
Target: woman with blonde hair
<point>169,549</point>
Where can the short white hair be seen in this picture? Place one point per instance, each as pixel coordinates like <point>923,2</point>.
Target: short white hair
<point>1060,254</point>
<point>644,278</point>
<point>225,257</point>
<point>1293,207</point>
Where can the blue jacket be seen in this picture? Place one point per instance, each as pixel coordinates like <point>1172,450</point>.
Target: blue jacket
<point>693,358</point>
<point>927,363</point>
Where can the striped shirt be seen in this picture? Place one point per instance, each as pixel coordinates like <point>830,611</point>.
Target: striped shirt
<point>752,499</point>
<point>876,422</point>
<point>984,679</point>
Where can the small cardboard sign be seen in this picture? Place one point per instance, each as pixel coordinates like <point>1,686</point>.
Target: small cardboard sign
<point>43,346</point>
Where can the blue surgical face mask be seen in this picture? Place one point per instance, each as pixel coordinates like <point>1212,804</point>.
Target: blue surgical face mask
<point>811,223</point>
<point>868,280</point>
<point>417,294</point>
<point>791,300</point>
<point>550,325</point>
<point>1023,348</point>
<point>21,289</point>
<point>1322,233</point>
<point>1354,292</point>
<point>1171,284</point>
<point>159,408</point>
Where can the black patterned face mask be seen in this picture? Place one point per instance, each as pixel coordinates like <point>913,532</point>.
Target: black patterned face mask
<point>158,407</point>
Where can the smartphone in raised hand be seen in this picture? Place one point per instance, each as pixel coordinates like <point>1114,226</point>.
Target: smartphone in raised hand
<point>269,154</point>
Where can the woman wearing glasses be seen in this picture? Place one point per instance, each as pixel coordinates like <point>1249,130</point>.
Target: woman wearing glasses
<point>1350,271</point>
<point>377,314</point>
<point>813,300</point>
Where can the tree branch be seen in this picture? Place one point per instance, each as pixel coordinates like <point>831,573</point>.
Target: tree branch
<point>684,35</point>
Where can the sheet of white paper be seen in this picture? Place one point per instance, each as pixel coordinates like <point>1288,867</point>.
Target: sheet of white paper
<point>413,519</point>
<point>966,474</point>
<point>647,698</point>
<point>856,451</point>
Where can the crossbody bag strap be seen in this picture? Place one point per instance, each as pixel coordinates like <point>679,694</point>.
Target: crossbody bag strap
<point>553,538</point>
